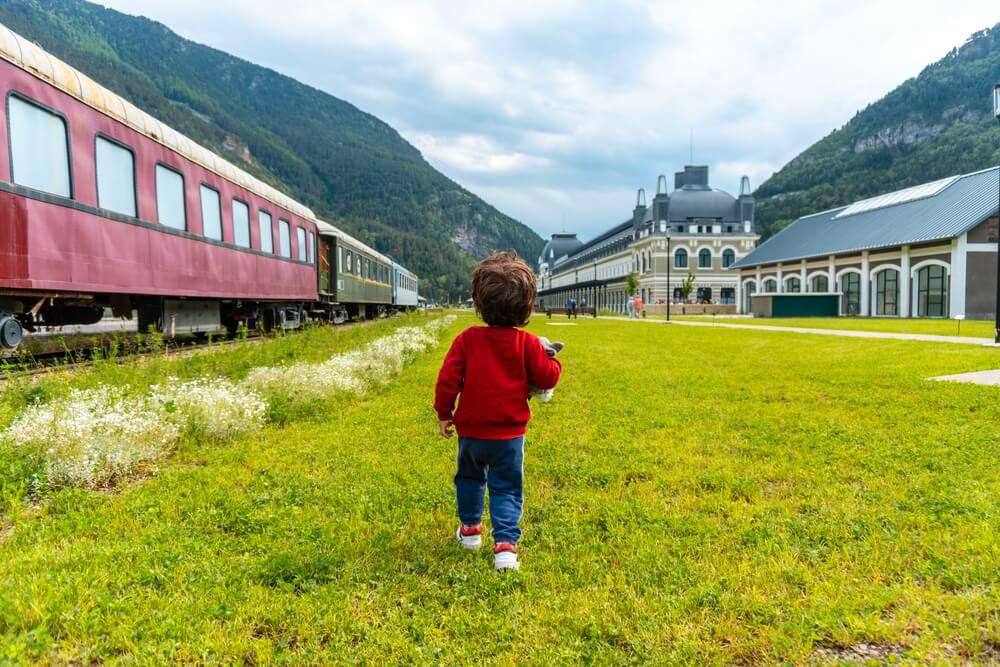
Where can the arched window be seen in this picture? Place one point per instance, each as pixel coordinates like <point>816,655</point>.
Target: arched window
<point>681,258</point>
<point>793,284</point>
<point>728,257</point>
<point>932,291</point>
<point>770,285</point>
<point>704,258</point>
<point>850,288</point>
<point>887,292</point>
<point>643,262</point>
<point>820,284</point>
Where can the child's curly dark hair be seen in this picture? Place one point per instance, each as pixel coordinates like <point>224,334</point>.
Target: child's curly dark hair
<point>504,289</point>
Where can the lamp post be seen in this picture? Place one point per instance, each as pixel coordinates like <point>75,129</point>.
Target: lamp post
<point>996,112</point>
<point>670,260</point>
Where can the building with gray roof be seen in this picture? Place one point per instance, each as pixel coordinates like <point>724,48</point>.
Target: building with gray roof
<point>694,230</point>
<point>925,251</point>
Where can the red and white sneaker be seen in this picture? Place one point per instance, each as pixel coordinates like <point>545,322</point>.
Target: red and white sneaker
<point>505,556</point>
<point>470,537</point>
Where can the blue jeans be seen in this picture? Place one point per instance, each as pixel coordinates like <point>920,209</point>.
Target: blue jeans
<point>498,464</point>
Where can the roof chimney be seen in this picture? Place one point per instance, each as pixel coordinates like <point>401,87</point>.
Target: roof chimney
<point>746,204</point>
<point>640,209</point>
<point>661,202</point>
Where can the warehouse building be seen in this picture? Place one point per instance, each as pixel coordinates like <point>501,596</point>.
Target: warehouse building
<point>695,229</point>
<point>925,251</point>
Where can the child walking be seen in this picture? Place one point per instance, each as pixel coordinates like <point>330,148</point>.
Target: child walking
<point>492,368</point>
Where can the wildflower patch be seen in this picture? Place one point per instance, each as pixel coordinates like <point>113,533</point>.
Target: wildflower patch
<point>95,437</point>
<point>213,407</point>
<point>354,371</point>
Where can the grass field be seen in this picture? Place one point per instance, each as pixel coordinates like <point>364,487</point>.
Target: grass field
<point>693,496</point>
<point>970,328</point>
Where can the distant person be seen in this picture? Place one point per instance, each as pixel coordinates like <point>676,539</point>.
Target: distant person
<point>638,305</point>
<point>628,307</point>
<point>570,308</point>
<point>492,367</point>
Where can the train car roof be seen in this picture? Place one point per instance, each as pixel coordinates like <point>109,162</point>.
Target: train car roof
<point>36,61</point>
<point>326,229</point>
<point>399,267</point>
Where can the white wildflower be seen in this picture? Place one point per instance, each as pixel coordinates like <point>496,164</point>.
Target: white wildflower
<point>375,363</point>
<point>216,407</point>
<point>93,437</point>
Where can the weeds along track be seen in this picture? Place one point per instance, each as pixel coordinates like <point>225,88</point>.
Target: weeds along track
<point>82,351</point>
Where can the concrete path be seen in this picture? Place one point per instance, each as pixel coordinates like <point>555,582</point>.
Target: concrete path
<point>927,338</point>
<point>978,377</point>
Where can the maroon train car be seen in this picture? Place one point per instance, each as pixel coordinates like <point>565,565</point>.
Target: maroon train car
<point>102,206</point>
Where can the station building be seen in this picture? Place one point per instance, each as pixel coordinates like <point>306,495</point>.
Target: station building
<point>925,251</point>
<point>695,229</point>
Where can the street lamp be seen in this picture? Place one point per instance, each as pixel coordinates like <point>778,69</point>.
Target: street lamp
<point>996,112</point>
<point>670,260</point>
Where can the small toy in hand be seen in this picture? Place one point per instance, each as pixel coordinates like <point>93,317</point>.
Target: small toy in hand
<point>551,349</point>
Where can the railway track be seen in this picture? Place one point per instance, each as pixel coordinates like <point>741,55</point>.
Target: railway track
<point>126,347</point>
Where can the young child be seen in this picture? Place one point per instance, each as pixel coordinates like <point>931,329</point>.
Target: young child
<point>492,368</point>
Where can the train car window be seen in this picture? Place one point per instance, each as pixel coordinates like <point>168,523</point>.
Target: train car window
<point>170,198</point>
<point>266,231</point>
<point>241,224</point>
<point>39,148</point>
<point>312,248</point>
<point>343,263</point>
<point>300,239</point>
<point>211,213</point>
<point>284,238</point>
<point>350,269</point>
<point>115,177</point>
<point>368,269</point>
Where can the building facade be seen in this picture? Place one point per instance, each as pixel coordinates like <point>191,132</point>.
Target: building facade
<point>925,251</point>
<point>695,230</point>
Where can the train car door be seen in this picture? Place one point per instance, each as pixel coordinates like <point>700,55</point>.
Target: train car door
<point>325,275</point>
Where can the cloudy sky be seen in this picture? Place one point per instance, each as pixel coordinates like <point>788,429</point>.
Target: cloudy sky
<point>556,111</point>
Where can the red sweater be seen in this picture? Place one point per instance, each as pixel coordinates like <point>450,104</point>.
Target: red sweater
<point>491,367</point>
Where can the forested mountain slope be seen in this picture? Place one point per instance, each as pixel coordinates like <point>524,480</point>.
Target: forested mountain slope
<point>937,124</point>
<point>351,168</point>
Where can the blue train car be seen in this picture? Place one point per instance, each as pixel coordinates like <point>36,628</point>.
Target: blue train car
<point>404,288</point>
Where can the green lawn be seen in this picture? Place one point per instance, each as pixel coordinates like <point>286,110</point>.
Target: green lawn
<point>971,328</point>
<point>694,496</point>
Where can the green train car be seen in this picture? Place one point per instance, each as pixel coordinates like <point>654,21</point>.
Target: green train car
<point>355,280</point>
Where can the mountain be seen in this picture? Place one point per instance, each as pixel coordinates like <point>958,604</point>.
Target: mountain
<point>932,126</point>
<point>351,168</point>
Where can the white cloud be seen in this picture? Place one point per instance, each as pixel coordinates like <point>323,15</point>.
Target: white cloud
<point>557,108</point>
<point>474,154</point>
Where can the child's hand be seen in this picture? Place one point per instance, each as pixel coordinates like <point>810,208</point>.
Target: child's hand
<point>447,427</point>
